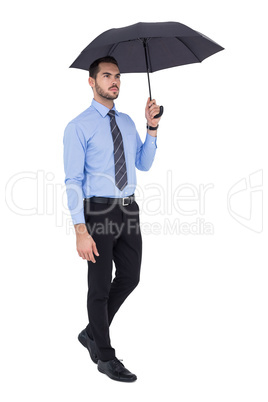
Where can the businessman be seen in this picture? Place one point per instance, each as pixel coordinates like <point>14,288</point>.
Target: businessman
<point>102,150</point>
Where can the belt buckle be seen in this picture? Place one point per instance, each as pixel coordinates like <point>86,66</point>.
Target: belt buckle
<point>125,198</point>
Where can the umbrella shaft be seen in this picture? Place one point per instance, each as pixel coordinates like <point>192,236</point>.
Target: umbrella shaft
<point>149,85</point>
<point>147,66</point>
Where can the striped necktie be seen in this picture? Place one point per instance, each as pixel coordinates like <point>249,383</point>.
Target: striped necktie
<point>119,156</point>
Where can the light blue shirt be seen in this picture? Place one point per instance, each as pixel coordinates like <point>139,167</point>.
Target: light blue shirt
<point>89,158</point>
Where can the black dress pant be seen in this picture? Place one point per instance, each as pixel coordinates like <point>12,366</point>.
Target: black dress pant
<point>116,232</point>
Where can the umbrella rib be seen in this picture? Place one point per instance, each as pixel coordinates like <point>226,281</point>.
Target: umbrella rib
<point>188,48</point>
<point>113,48</point>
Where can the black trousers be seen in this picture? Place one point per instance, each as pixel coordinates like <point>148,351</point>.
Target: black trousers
<point>116,232</point>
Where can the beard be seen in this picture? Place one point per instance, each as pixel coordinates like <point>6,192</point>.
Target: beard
<point>104,94</point>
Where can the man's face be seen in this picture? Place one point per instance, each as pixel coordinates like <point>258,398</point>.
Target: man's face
<point>107,83</point>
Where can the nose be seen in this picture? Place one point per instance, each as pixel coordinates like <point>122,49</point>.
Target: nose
<point>115,82</point>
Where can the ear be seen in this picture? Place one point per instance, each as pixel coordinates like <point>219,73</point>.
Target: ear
<point>91,82</point>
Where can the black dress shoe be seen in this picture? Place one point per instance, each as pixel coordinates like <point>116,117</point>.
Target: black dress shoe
<point>89,344</point>
<point>116,370</point>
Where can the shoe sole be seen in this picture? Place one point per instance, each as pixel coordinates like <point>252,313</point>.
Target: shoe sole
<point>83,341</point>
<point>115,378</point>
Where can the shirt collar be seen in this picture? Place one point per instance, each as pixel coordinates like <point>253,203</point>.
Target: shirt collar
<point>103,110</point>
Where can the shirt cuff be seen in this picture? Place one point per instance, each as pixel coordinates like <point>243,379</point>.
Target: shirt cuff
<point>150,140</point>
<point>78,218</point>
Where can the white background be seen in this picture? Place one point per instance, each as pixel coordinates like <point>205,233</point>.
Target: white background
<point>196,327</point>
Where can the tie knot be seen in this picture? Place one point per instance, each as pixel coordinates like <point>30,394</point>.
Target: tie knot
<point>111,113</point>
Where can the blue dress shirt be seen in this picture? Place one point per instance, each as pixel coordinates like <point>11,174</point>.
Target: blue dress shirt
<point>89,159</point>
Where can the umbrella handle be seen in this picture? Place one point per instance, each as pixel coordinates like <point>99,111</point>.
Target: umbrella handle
<point>160,113</point>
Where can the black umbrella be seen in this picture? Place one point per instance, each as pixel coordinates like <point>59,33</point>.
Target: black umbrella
<point>149,47</point>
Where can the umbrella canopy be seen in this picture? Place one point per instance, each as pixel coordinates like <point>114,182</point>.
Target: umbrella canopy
<point>149,47</point>
<point>168,44</point>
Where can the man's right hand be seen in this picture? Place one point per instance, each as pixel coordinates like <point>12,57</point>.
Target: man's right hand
<point>85,245</point>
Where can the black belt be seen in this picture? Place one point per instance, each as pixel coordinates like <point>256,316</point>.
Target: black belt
<point>105,200</point>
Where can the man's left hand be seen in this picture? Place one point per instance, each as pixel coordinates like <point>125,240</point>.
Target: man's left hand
<point>151,110</point>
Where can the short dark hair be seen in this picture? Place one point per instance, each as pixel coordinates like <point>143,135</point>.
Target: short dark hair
<point>94,67</point>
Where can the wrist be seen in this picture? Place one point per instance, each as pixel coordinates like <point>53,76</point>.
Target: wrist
<point>153,128</point>
<point>80,229</point>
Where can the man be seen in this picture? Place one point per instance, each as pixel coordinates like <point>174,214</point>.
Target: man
<point>101,150</point>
